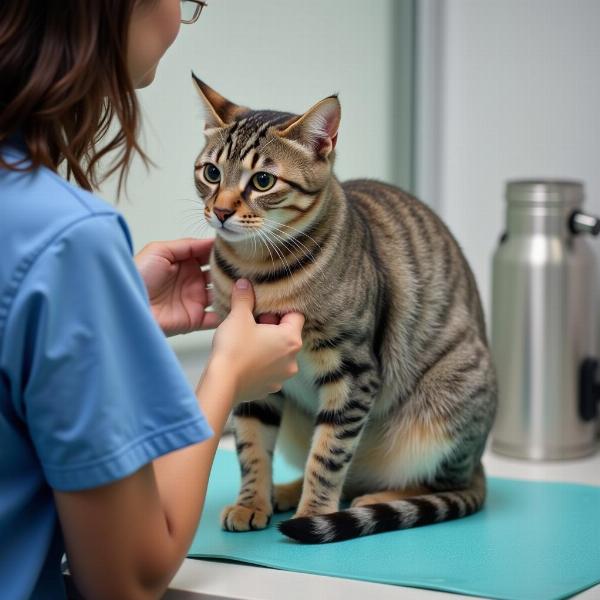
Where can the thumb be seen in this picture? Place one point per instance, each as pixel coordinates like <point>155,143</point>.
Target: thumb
<point>242,296</point>
<point>295,320</point>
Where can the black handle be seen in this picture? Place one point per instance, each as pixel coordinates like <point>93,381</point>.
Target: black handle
<point>589,390</point>
<point>581,222</point>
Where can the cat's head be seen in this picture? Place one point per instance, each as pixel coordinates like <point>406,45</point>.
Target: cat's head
<point>261,170</point>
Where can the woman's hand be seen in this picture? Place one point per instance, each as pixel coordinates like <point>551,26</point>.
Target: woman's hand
<point>259,357</point>
<point>176,285</point>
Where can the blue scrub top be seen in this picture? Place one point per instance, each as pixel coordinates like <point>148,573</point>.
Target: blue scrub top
<point>90,390</point>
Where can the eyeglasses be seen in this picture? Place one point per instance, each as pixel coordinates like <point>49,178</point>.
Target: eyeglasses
<point>190,10</point>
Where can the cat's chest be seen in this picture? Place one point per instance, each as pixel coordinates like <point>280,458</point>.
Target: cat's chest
<point>267,299</point>
<point>301,388</point>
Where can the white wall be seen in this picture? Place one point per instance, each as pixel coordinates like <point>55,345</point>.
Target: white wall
<point>282,55</point>
<point>519,97</point>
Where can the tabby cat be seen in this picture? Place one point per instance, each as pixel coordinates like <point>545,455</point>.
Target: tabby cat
<point>396,391</point>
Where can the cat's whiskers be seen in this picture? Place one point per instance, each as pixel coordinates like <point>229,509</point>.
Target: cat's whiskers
<point>270,245</point>
<point>290,249</point>
<point>297,243</point>
<point>279,253</point>
<point>261,236</point>
<point>195,213</point>
<point>195,205</point>
<point>254,238</point>
<point>193,209</point>
<point>191,218</point>
<point>190,200</point>
<point>306,252</point>
<point>198,226</point>
<point>293,229</point>
<point>293,247</point>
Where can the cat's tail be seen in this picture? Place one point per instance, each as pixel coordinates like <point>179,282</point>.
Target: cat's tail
<point>388,516</point>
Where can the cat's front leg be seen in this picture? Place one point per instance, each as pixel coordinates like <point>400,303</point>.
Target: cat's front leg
<point>256,425</point>
<point>346,395</point>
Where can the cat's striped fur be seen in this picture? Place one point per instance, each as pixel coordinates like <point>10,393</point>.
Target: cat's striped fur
<point>396,391</point>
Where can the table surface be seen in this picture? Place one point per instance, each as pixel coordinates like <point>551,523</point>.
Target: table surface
<point>210,580</point>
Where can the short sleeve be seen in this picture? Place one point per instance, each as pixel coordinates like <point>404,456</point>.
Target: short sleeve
<point>102,392</point>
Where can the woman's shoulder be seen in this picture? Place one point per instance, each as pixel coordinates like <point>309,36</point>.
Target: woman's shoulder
<point>41,192</point>
<point>39,210</point>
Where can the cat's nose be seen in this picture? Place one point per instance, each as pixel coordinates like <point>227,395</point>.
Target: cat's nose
<point>223,213</point>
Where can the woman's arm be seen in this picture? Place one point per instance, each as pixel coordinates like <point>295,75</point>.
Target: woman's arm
<point>127,539</point>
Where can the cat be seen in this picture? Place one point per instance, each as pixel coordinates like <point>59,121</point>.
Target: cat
<point>396,390</point>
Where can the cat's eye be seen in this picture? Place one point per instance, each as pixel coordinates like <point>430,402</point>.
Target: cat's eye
<point>212,173</point>
<point>263,181</point>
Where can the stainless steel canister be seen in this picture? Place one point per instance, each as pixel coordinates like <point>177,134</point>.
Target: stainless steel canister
<point>544,324</point>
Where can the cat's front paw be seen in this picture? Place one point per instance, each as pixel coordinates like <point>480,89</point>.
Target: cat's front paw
<point>244,518</point>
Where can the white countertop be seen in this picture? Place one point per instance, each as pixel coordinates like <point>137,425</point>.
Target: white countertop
<point>209,580</point>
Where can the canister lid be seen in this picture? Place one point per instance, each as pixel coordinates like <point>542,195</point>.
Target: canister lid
<point>544,191</point>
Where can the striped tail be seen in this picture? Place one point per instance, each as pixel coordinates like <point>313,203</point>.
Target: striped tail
<point>389,516</point>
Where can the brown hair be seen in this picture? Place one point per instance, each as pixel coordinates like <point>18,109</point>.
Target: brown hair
<point>63,78</point>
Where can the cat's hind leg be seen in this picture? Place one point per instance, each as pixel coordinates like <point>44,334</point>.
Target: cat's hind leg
<point>287,496</point>
<point>256,425</point>
<point>389,496</point>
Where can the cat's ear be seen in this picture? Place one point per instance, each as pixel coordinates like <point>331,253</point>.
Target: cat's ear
<point>318,127</point>
<point>219,112</point>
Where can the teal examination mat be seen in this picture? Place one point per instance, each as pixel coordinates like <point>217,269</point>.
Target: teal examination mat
<point>533,541</point>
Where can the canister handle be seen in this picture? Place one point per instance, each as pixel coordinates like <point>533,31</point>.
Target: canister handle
<point>583,223</point>
<point>589,390</point>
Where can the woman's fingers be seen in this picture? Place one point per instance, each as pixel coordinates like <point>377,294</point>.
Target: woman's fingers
<point>295,320</point>
<point>187,248</point>
<point>211,320</point>
<point>201,249</point>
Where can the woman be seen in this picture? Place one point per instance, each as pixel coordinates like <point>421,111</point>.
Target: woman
<point>104,448</point>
